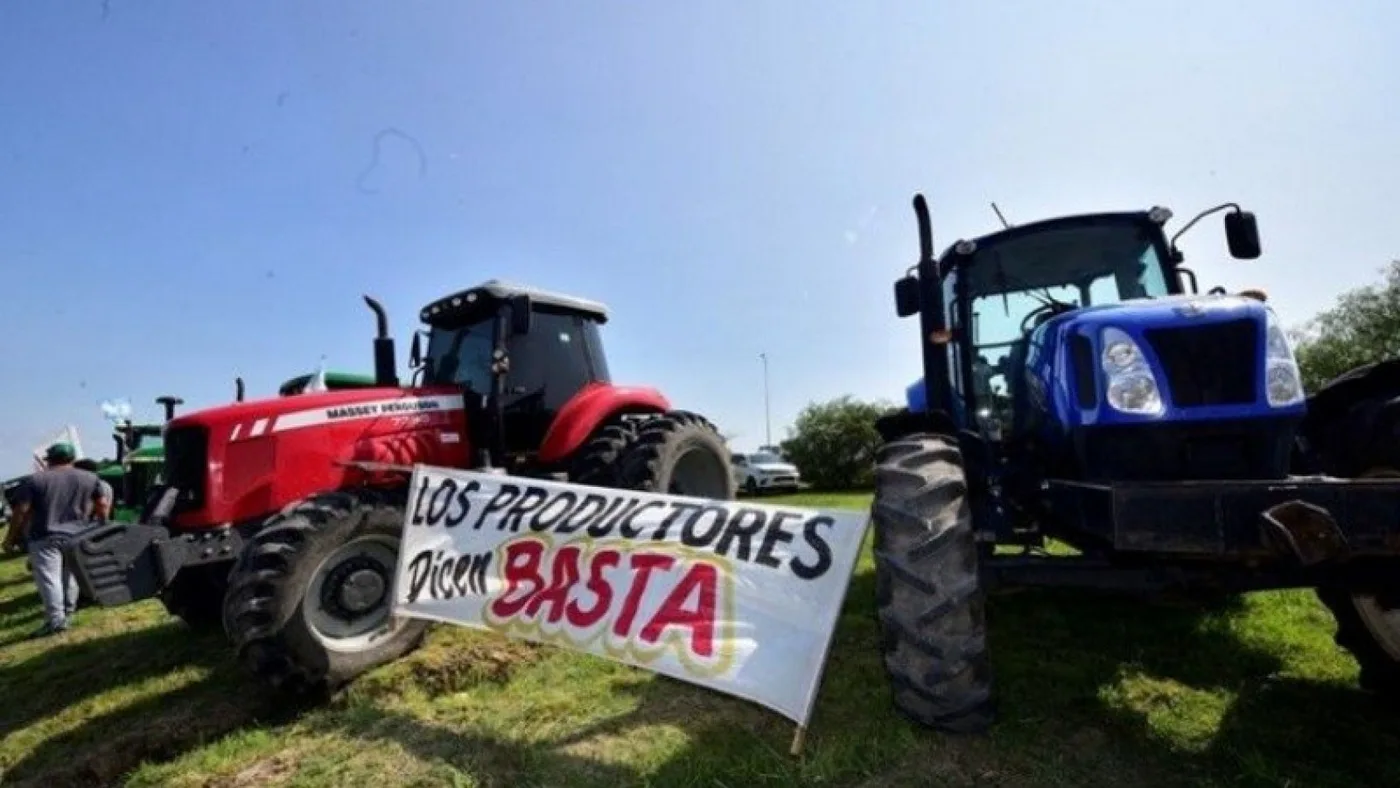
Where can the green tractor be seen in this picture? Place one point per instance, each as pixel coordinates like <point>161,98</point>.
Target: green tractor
<point>335,381</point>
<point>139,463</point>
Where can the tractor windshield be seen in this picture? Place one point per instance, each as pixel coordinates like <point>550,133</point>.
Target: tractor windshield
<point>461,356</point>
<point>1016,282</point>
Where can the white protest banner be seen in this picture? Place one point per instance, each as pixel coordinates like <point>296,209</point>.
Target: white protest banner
<point>736,596</point>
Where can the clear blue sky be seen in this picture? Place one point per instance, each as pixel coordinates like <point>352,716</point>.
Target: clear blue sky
<point>184,197</point>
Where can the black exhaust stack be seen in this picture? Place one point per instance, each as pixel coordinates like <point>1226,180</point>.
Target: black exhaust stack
<point>238,389</point>
<point>119,436</point>
<point>169,403</point>
<point>385,366</point>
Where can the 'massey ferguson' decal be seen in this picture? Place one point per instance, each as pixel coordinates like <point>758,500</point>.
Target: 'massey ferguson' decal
<point>385,408</point>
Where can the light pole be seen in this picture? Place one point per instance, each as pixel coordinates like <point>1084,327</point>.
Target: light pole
<point>767,420</point>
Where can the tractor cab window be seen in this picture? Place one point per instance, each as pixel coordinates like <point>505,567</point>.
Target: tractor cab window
<point>1000,326</point>
<point>561,354</point>
<point>461,356</point>
<point>557,358</point>
<point>1017,284</point>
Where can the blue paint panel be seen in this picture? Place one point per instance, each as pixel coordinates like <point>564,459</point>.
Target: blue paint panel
<point>1049,373</point>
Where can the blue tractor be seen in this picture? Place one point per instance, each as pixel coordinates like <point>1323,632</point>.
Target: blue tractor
<point>1075,389</point>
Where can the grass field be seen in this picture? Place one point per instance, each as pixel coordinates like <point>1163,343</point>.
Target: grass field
<point>1094,691</point>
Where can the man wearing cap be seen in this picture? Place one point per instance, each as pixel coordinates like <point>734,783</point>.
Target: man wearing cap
<point>49,506</point>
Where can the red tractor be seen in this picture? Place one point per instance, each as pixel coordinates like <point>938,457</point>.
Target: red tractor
<point>280,518</point>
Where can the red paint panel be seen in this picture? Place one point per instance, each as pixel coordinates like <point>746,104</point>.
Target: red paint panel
<point>268,453</point>
<point>591,406</point>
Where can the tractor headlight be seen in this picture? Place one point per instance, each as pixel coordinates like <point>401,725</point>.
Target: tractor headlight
<point>1283,383</point>
<point>1132,388</point>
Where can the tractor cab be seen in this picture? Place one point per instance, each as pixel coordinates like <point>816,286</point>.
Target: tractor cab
<point>520,354</point>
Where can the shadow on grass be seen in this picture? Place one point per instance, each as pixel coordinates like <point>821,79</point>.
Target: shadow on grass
<point>1063,662</point>
<point>15,581</point>
<point>156,728</point>
<point>22,604</point>
<point>491,761</point>
<point>1298,732</point>
<point>1070,662</point>
<point>67,674</point>
<point>123,732</point>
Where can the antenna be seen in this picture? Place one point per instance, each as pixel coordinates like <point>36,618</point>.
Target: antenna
<point>1005,224</point>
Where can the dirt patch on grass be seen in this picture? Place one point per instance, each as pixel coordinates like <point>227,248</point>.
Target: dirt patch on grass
<point>259,773</point>
<point>451,661</point>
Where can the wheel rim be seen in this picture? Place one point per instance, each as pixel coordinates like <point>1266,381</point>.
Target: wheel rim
<point>351,593</point>
<point>1382,619</point>
<point>700,474</point>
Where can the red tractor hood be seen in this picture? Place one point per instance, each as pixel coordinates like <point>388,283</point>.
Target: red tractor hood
<point>278,414</point>
<point>248,459</point>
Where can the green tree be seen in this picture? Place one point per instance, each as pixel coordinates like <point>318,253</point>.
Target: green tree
<point>833,443</point>
<point>1363,327</point>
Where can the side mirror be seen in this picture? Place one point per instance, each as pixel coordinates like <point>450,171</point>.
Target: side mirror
<point>521,314</point>
<point>1242,234</point>
<point>415,351</point>
<point>906,296</point>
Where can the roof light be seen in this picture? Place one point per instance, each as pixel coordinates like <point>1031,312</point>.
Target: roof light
<point>471,297</point>
<point>965,247</point>
<point>1159,215</point>
<point>457,302</point>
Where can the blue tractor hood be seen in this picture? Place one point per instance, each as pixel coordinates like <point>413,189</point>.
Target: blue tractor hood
<point>1164,311</point>
<point>1050,367</point>
<point>1163,329</point>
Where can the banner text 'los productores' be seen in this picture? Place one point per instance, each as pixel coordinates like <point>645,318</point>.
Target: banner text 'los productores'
<point>736,596</point>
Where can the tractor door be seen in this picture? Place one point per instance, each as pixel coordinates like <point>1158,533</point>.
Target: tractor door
<point>1004,325</point>
<point>560,355</point>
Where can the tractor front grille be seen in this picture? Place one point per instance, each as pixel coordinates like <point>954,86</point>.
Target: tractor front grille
<point>187,464</point>
<point>1212,364</point>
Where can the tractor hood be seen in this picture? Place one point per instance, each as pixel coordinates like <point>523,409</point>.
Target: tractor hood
<point>254,418</point>
<point>1165,311</point>
<point>240,461</point>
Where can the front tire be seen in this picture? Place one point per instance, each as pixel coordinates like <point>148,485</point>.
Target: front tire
<point>680,453</point>
<point>929,597</point>
<point>309,600</point>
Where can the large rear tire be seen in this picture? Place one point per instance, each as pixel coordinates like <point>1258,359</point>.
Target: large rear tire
<point>680,453</point>
<point>929,596</point>
<point>1368,625</point>
<point>598,462</point>
<point>309,600</point>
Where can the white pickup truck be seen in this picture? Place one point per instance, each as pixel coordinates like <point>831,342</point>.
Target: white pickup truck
<point>764,472</point>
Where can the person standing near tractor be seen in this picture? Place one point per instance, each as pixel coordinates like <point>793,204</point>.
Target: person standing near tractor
<point>98,514</point>
<point>49,506</point>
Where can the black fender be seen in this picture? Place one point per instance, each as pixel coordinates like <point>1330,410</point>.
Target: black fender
<point>1353,421</point>
<point>904,422</point>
